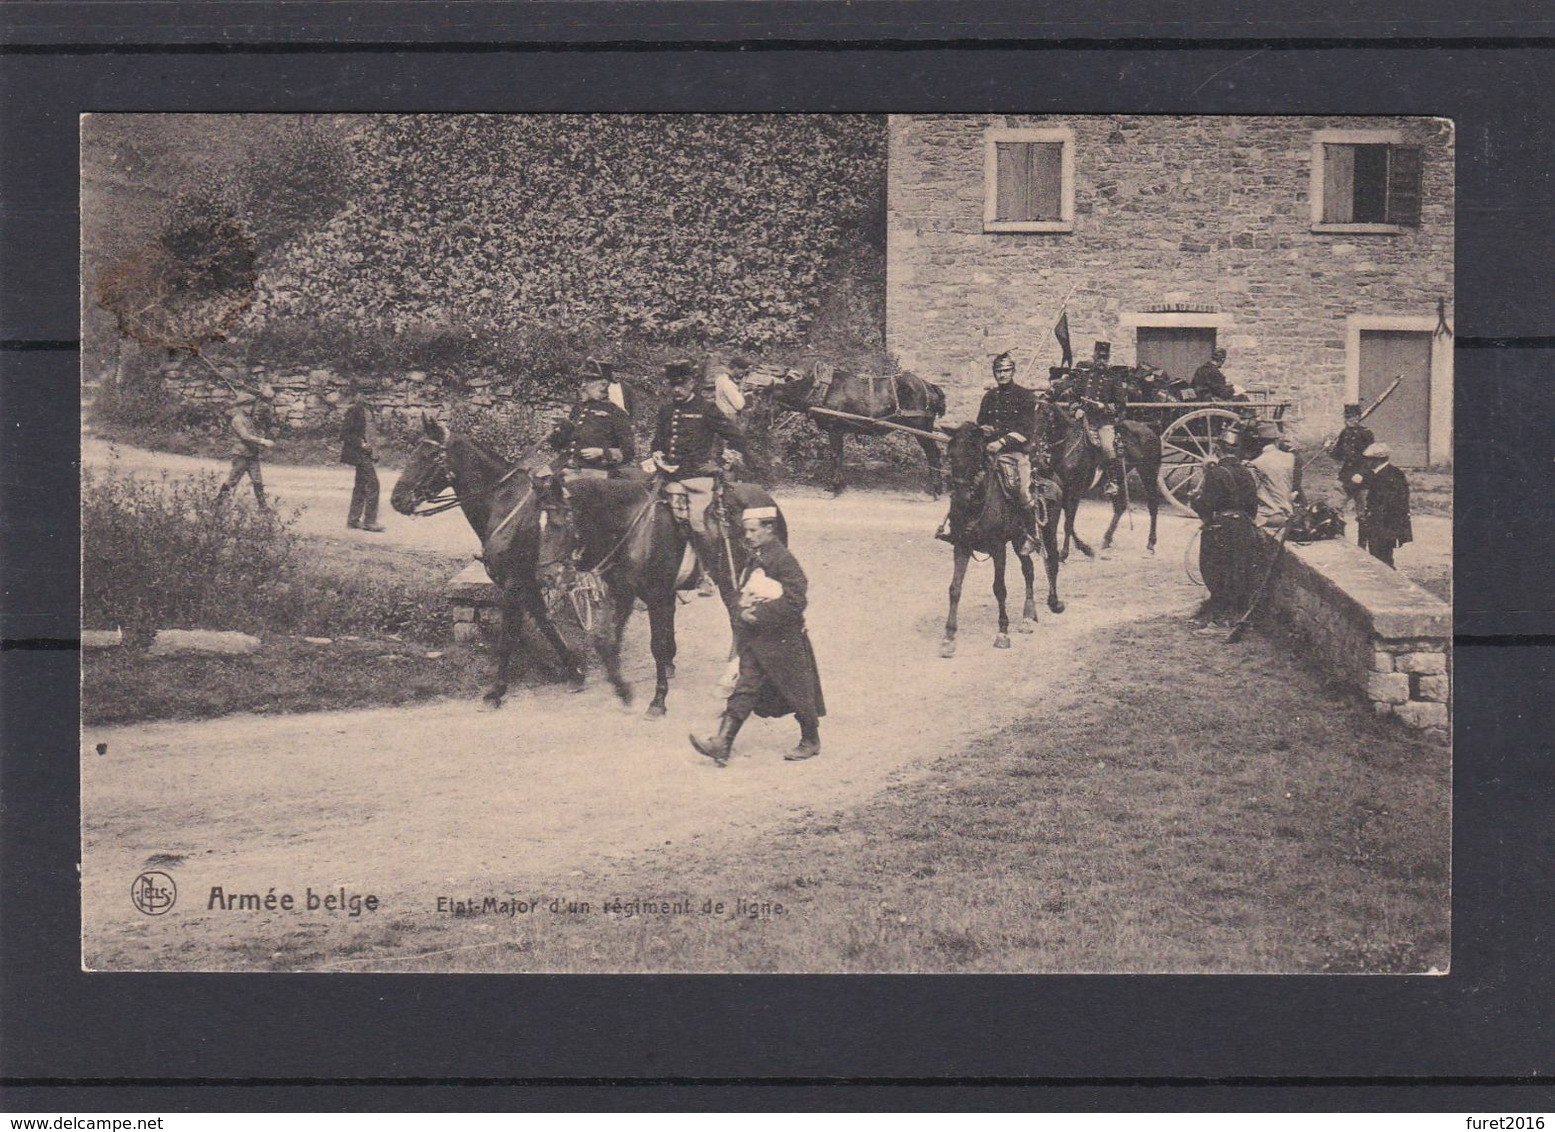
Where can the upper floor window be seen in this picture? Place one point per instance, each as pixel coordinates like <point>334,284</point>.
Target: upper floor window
<point>1028,180</point>
<point>1364,181</point>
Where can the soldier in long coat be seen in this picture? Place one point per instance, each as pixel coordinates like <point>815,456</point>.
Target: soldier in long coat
<point>1226,502</point>
<point>1384,523</point>
<point>778,673</point>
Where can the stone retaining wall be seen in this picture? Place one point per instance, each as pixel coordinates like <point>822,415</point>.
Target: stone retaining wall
<point>1377,630</point>
<point>474,598</point>
<point>309,400</point>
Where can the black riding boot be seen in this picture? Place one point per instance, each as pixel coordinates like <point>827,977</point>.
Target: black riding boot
<point>716,747</point>
<point>809,740</point>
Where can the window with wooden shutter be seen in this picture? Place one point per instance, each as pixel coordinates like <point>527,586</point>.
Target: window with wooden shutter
<point>1365,185</point>
<point>1029,181</point>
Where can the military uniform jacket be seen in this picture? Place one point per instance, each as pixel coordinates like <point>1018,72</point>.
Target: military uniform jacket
<point>1210,384</point>
<point>354,444</point>
<point>247,440</point>
<point>776,643</point>
<point>1098,385</point>
<point>1011,411</point>
<point>1228,486</point>
<point>1353,441</point>
<point>594,424</point>
<point>1387,508</point>
<point>687,435</point>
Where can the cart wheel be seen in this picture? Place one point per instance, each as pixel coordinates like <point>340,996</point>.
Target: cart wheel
<point>1186,446</point>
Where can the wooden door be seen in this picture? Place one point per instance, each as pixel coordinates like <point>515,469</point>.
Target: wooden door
<point>1403,422</point>
<point>1179,350</point>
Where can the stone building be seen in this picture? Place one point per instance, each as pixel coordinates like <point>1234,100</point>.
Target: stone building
<point>1317,250</point>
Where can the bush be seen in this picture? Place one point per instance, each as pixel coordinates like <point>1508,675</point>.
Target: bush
<point>166,553</point>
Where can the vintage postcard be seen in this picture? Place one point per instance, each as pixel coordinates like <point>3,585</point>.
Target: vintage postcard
<point>766,543</point>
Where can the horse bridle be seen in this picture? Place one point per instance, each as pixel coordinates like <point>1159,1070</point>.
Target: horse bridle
<point>446,499</point>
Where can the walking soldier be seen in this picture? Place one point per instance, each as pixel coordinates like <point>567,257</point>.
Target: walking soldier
<point>778,674</point>
<point>248,444</point>
<point>1226,502</point>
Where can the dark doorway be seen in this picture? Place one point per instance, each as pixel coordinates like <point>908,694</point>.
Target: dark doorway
<point>1178,350</point>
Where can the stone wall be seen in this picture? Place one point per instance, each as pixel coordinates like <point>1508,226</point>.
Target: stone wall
<point>1204,214</point>
<point>475,601</point>
<point>1379,632</point>
<point>313,399</point>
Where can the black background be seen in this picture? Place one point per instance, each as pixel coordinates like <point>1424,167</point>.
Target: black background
<point>1476,1040</point>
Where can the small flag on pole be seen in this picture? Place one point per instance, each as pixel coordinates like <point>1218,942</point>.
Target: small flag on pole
<point>1061,332</point>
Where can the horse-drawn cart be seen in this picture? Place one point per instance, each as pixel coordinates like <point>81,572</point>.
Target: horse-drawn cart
<point>1188,432</point>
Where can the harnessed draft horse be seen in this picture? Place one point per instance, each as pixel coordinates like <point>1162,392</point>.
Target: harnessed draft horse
<point>983,520</point>
<point>862,405</point>
<point>623,532</point>
<point>502,508</point>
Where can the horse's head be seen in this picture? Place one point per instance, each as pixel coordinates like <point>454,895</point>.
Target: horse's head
<point>427,473</point>
<point>558,529</point>
<point>967,453</point>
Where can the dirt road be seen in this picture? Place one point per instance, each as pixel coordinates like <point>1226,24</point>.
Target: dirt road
<point>448,800</point>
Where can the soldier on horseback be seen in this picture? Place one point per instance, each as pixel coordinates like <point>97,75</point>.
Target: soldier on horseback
<point>1009,414</point>
<point>685,444</point>
<point>596,437</point>
<point>1102,396</point>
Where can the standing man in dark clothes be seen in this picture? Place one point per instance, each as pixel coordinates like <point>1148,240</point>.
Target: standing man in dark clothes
<point>596,437</point>
<point>248,444</point>
<point>685,444</point>
<point>1209,383</point>
<point>356,449</point>
<point>778,674</point>
<point>1349,449</point>
<point>1226,502</point>
<point>1384,523</point>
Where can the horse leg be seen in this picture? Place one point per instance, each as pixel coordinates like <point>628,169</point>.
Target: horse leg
<point>1153,501</point>
<point>1002,641</point>
<point>1072,508</point>
<point>1028,613</point>
<point>836,436</point>
<point>1118,507</point>
<point>608,643</point>
<point>947,647</point>
<point>534,601</point>
<point>507,645</point>
<point>1050,544</point>
<point>661,632</point>
<point>936,477</point>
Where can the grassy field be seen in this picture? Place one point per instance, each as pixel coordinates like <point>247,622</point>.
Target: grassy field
<point>1183,806</point>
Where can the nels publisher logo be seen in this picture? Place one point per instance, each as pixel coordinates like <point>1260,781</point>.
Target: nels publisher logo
<point>154,893</point>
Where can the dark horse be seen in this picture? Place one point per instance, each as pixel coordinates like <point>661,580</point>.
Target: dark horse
<point>624,531</point>
<point>984,521</point>
<point>1077,466</point>
<point>902,398</point>
<point>501,505</point>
